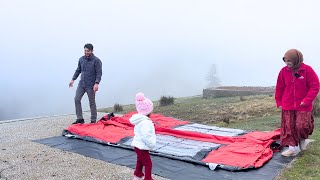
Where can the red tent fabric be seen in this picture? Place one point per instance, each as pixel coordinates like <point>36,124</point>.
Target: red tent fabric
<point>250,150</point>
<point>246,151</point>
<point>117,128</point>
<point>109,131</point>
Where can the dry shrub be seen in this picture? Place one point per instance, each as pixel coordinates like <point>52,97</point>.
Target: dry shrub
<point>226,119</point>
<point>117,107</point>
<point>166,100</point>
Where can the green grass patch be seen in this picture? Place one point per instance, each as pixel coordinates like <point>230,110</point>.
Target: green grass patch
<point>261,124</point>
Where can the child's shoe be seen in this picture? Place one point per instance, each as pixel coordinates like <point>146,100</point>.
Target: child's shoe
<point>137,178</point>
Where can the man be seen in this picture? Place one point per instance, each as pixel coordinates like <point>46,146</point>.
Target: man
<point>90,68</point>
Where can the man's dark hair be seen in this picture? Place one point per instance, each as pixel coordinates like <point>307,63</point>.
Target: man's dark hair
<point>89,46</point>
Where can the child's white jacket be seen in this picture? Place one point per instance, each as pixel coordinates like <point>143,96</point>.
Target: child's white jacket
<point>144,132</point>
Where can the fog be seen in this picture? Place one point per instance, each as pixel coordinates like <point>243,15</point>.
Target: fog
<point>156,47</point>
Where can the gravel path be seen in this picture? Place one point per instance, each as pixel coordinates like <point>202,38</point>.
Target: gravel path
<point>20,158</point>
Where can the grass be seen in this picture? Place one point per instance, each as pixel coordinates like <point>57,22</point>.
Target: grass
<point>209,111</point>
<point>261,124</point>
<point>250,113</point>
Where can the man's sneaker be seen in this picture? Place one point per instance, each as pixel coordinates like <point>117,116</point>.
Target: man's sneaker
<point>289,152</point>
<point>303,144</point>
<point>79,121</point>
<point>92,122</point>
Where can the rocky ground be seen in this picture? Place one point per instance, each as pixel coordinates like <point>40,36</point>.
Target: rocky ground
<point>20,158</point>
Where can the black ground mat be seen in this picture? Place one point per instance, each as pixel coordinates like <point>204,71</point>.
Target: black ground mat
<point>165,167</point>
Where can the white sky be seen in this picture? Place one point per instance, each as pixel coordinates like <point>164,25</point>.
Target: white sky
<point>157,47</point>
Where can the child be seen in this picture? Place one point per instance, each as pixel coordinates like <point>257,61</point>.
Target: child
<point>297,87</point>
<point>144,136</point>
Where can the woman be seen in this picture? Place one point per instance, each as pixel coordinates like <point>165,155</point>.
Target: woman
<point>297,87</point>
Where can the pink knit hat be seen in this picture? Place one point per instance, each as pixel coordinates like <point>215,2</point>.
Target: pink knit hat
<point>143,105</point>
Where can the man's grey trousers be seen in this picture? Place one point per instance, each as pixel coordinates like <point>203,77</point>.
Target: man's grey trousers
<point>92,101</point>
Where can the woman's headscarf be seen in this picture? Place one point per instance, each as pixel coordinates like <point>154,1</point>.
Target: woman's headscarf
<point>295,56</point>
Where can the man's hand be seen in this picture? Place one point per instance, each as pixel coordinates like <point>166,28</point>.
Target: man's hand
<point>71,83</point>
<point>95,87</point>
